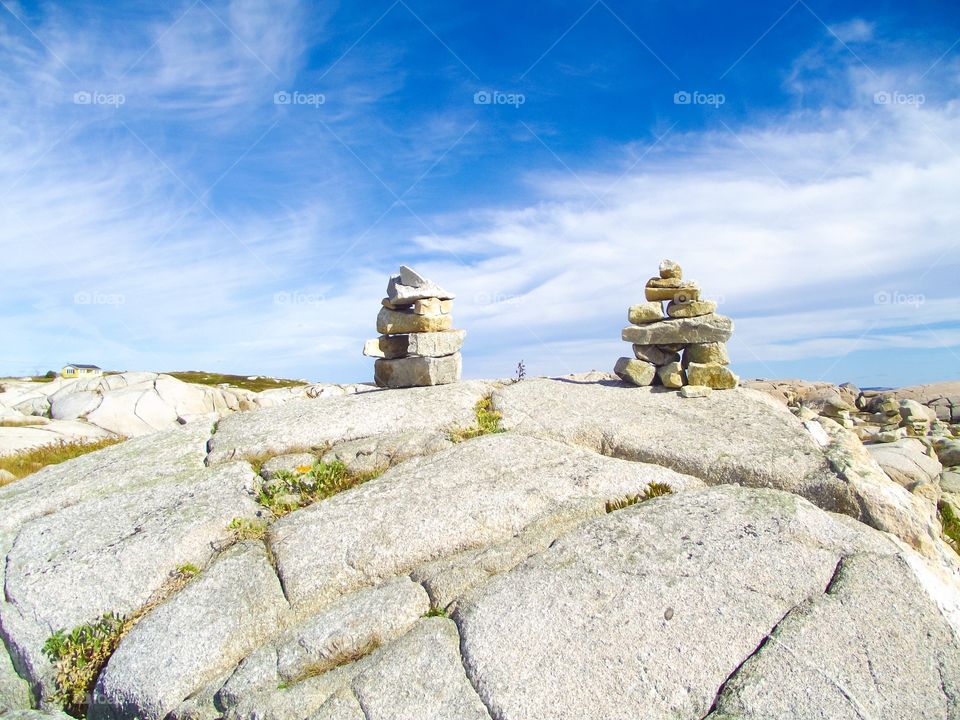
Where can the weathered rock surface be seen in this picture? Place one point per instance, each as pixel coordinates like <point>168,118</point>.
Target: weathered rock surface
<point>655,355</point>
<point>635,372</point>
<point>713,375</point>
<point>706,329</point>
<point>678,592</point>
<point>392,322</point>
<point>644,313</point>
<point>830,653</point>
<point>490,489</point>
<point>381,413</point>
<point>942,398</point>
<point>409,286</point>
<point>194,637</point>
<point>706,353</point>
<point>690,309</point>
<point>906,462</point>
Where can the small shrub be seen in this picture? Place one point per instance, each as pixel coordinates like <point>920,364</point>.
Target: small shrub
<point>247,529</point>
<point>29,461</point>
<point>654,489</point>
<point>488,422</point>
<point>80,655</point>
<point>291,490</point>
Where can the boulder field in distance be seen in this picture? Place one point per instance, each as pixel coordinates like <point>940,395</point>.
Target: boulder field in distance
<point>796,567</point>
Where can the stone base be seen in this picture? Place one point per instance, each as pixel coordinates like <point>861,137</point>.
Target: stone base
<point>417,371</point>
<point>636,372</point>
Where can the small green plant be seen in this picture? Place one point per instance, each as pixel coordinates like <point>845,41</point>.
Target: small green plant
<point>80,655</point>
<point>187,570</point>
<point>488,422</point>
<point>247,529</point>
<point>654,489</point>
<point>951,525</point>
<point>29,461</point>
<point>291,490</point>
<point>435,612</point>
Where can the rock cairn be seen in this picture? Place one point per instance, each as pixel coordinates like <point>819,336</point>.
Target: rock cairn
<point>417,346</point>
<point>684,348</point>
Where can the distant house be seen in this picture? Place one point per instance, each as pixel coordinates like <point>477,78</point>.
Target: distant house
<point>75,370</point>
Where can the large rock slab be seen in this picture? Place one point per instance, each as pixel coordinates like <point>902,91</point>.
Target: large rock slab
<point>732,437</point>
<point>490,488</point>
<point>705,329</point>
<point>199,634</point>
<point>392,322</point>
<point>342,632</point>
<point>676,593</point>
<point>103,533</point>
<point>409,286</point>
<point>319,424</point>
<point>837,655</point>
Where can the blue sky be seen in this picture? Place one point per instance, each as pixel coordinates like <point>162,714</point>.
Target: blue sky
<point>227,185</point>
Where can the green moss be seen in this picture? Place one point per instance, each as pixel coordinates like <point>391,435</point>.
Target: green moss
<point>187,570</point>
<point>435,612</point>
<point>654,489</point>
<point>488,422</point>
<point>80,655</point>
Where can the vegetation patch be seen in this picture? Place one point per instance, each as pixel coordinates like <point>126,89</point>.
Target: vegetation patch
<point>654,489</point>
<point>257,384</point>
<point>247,529</point>
<point>951,525</point>
<point>23,422</point>
<point>29,461</point>
<point>80,655</point>
<point>187,570</point>
<point>488,422</point>
<point>289,490</point>
<point>435,612</point>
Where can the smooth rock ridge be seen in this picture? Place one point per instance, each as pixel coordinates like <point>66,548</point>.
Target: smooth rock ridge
<point>690,326</point>
<point>417,346</point>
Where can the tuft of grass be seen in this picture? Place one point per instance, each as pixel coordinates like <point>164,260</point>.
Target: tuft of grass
<point>80,655</point>
<point>247,529</point>
<point>488,422</point>
<point>951,525</point>
<point>435,612</point>
<point>654,489</point>
<point>291,490</point>
<point>29,461</point>
<point>238,381</point>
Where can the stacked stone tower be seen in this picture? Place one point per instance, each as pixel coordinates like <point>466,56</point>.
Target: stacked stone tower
<point>417,346</point>
<point>683,349</point>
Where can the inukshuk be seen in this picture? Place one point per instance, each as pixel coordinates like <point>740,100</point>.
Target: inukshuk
<point>684,349</point>
<point>417,346</point>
